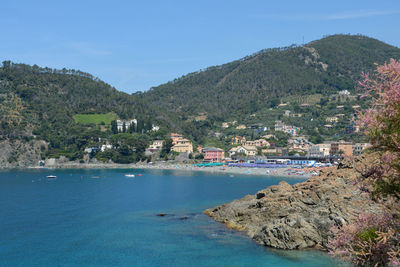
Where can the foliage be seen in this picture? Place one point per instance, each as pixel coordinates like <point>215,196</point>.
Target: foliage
<point>374,239</point>
<point>95,118</point>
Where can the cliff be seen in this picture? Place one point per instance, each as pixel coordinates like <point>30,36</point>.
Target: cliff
<point>300,216</point>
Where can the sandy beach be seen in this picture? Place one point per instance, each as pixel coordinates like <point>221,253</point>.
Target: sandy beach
<point>281,172</point>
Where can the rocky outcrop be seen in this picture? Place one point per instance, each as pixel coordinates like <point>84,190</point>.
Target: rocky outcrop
<point>18,153</point>
<point>299,216</point>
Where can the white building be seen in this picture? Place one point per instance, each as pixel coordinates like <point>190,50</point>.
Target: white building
<point>128,123</point>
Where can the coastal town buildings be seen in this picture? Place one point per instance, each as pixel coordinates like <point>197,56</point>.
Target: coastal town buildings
<point>359,148</point>
<point>213,154</point>
<point>281,127</point>
<point>156,145</point>
<point>299,144</point>
<point>341,148</point>
<point>246,150</point>
<point>183,145</point>
<point>238,140</point>
<point>319,150</point>
<point>175,137</point>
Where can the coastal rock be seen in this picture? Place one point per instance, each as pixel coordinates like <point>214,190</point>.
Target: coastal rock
<point>299,216</point>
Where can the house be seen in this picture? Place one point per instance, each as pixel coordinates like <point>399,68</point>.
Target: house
<point>359,148</point>
<point>225,125</point>
<point>91,150</point>
<point>339,107</point>
<point>247,150</point>
<point>344,92</point>
<point>155,128</point>
<point>287,113</point>
<point>341,148</point>
<point>105,147</point>
<point>299,144</point>
<point>156,145</point>
<point>332,119</point>
<point>213,154</point>
<point>241,127</point>
<point>128,124</point>
<point>319,150</point>
<point>280,151</point>
<point>292,130</point>
<point>183,146</point>
<point>238,140</point>
<point>328,126</point>
<point>257,143</point>
<point>279,126</point>
<point>175,137</point>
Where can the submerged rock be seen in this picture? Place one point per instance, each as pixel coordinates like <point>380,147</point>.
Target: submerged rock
<point>299,216</point>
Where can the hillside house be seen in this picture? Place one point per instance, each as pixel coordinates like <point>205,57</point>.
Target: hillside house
<point>332,119</point>
<point>175,137</point>
<point>183,145</point>
<point>238,140</point>
<point>156,145</point>
<point>128,124</point>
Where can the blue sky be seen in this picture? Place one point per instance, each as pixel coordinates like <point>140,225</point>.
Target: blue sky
<point>134,45</point>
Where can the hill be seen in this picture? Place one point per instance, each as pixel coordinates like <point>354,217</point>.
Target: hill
<point>67,109</point>
<point>250,84</point>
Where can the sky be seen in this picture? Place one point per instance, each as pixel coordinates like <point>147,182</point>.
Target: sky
<point>135,45</point>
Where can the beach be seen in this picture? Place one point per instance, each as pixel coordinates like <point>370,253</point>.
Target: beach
<point>289,171</point>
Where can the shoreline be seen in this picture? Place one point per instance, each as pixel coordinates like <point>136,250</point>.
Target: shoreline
<point>286,172</point>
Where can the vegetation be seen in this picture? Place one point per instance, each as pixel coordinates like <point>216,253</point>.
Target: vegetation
<point>374,240</point>
<point>95,118</point>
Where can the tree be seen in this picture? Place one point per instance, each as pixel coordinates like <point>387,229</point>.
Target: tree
<point>114,127</point>
<point>123,127</point>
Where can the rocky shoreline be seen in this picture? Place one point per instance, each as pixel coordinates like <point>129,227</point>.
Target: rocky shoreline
<point>300,216</point>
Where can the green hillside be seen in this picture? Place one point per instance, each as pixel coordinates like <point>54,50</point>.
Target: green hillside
<point>250,84</point>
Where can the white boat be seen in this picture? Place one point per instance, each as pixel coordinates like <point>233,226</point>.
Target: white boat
<point>51,176</point>
<point>129,175</point>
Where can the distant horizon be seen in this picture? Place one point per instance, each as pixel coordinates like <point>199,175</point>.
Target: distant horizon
<point>202,69</point>
<point>135,45</point>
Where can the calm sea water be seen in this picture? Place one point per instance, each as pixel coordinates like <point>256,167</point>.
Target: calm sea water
<point>102,218</point>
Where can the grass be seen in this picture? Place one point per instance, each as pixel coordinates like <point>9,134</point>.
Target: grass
<point>95,118</point>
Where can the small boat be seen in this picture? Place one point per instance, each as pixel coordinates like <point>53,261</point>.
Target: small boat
<point>129,175</point>
<point>51,176</point>
<point>139,175</point>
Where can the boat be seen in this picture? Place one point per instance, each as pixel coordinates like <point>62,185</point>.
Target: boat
<point>51,176</point>
<point>129,175</point>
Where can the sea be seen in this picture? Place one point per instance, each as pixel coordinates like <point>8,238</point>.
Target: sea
<point>87,217</point>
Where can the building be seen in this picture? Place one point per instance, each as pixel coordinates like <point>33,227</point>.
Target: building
<point>341,148</point>
<point>241,127</point>
<point>279,126</point>
<point>344,92</point>
<point>225,125</point>
<point>183,146</point>
<point>287,113</point>
<point>238,140</point>
<point>332,119</point>
<point>156,145</point>
<point>128,124</point>
<point>247,150</point>
<point>175,137</point>
<point>105,147</point>
<point>359,148</point>
<point>319,150</point>
<point>213,154</point>
<point>299,144</point>
<point>155,128</point>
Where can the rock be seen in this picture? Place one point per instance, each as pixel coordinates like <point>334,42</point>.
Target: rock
<point>161,214</point>
<point>299,216</point>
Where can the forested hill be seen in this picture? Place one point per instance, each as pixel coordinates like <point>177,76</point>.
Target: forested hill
<point>33,97</point>
<point>247,85</point>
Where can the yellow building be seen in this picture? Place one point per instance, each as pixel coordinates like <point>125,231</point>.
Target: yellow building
<point>183,146</point>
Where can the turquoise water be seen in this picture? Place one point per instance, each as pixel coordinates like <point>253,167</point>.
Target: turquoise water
<point>102,218</point>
